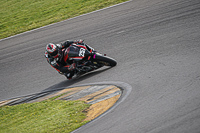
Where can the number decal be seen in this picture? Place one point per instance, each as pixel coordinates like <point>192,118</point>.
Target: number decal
<point>82,52</point>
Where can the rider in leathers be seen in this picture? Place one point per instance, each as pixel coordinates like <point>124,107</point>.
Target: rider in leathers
<point>54,54</point>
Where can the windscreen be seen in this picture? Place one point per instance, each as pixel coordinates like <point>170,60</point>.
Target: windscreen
<point>73,51</point>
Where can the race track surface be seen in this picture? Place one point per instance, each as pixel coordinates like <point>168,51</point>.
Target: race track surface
<point>157,46</point>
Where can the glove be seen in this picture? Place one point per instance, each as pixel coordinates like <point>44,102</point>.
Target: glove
<point>79,41</point>
<point>46,54</point>
<point>72,67</point>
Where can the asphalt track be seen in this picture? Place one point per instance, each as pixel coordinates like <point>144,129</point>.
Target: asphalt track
<point>157,46</point>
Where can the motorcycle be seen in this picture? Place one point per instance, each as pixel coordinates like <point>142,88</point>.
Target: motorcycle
<point>86,60</point>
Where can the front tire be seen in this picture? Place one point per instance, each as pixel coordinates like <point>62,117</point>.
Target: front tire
<point>105,60</point>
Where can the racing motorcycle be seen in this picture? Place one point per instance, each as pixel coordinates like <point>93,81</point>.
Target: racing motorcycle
<point>86,60</point>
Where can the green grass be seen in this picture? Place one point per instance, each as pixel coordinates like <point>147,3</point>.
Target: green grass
<point>17,16</point>
<point>42,117</point>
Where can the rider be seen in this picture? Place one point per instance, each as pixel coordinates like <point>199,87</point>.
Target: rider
<point>54,54</point>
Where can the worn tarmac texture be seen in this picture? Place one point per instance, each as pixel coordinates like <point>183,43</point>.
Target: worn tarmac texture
<point>156,46</point>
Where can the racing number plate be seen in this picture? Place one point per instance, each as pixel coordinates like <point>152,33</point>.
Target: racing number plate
<point>82,52</point>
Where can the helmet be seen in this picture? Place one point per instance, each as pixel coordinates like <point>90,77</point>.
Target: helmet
<point>52,50</point>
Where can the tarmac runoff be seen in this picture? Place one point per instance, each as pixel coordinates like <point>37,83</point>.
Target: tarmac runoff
<point>101,98</point>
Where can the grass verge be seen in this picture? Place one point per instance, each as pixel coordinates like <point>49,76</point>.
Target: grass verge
<point>17,16</point>
<point>46,116</point>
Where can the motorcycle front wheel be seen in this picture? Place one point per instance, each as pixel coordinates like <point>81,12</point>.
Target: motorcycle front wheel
<point>105,60</point>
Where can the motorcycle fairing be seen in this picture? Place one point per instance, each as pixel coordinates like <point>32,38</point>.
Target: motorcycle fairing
<point>76,53</point>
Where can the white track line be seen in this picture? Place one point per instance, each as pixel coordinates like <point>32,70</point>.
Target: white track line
<point>64,20</point>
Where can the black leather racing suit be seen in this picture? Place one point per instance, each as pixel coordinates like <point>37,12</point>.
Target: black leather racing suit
<point>59,64</point>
